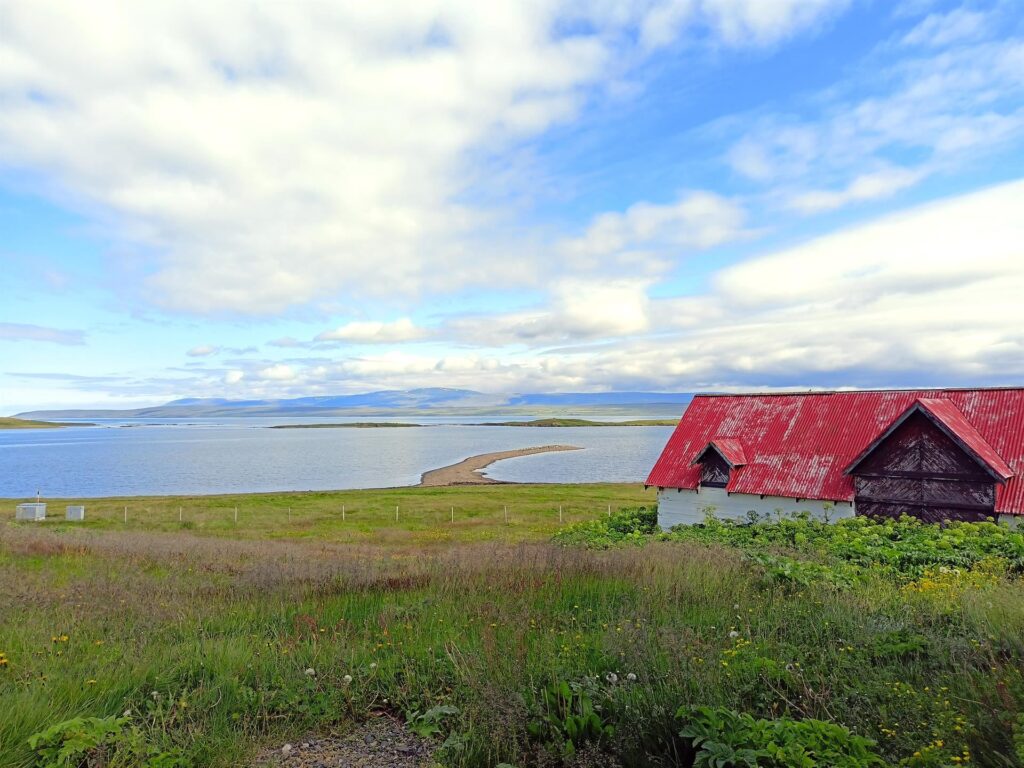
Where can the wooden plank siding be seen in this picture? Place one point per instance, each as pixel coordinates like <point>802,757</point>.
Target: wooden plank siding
<point>714,469</point>
<point>918,470</point>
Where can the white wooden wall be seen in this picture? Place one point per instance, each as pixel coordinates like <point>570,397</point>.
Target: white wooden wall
<point>689,507</point>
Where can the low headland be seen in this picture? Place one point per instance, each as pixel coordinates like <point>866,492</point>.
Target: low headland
<point>9,422</point>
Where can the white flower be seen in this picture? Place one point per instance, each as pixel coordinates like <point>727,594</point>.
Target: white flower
<point>612,678</point>
<point>286,749</point>
<point>347,679</point>
<point>373,665</point>
<point>734,634</point>
<point>735,606</point>
<point>631,677</point>
<point>310,672</point>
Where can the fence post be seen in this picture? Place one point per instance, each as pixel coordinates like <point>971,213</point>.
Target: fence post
<point>609,510</point>
<point>506,514</point>
<point>343,513</point>
<point>559,513</point>
<point>179,514</point>
<point>289,514</point>
<point>236,514</point>
<point>126,514</point>
<point>396,513</point>
<point>453,514</point>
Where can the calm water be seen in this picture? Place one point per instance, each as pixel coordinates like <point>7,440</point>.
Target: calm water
<point>244,456</point>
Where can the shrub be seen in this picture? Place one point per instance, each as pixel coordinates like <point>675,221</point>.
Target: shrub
<point>632,525</point>
<point>723,738</point>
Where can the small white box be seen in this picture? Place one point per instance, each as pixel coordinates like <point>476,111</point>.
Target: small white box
<point>33,511</point>
<point>75,512</point>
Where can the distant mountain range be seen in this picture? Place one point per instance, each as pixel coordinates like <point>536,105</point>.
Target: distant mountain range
<point>433,400</point>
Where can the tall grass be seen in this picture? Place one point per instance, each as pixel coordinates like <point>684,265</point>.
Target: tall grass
<point>208,643</point>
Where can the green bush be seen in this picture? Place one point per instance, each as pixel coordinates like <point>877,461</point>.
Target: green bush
<point>632,525</point>
<point>723,738</point>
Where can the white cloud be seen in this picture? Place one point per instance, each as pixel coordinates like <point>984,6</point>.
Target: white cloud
<point>255,158</point>
<point>760,22</point>
<point>204,350</point>
<point>940,29</point>
<point>935,110</point>
<point>736,22</point>
<point>875,185</point>
<point>278,372</point>
<point>29,332</point>
<point>233,377</point>
<point>576,310</point>
<point>697,220</point>
<point>374,332</point>
<point>926,296</point>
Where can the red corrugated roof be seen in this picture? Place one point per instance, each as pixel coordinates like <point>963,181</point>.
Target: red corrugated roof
<point>798,445</point>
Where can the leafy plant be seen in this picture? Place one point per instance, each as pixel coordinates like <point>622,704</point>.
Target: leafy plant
<point>428,724</point>
<point>69,743</point>
<point>85,741</point>
<point>569,718</point>
<point>723,738</point>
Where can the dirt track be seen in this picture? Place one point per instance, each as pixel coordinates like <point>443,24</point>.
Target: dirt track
<point>466,472</point>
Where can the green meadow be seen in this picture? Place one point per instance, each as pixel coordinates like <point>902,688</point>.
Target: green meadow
<point>597,642</point>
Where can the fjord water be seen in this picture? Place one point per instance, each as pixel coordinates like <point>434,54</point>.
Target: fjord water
<point>244,456</point>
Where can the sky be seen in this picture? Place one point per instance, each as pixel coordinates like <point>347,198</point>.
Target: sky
<point>226,199</point>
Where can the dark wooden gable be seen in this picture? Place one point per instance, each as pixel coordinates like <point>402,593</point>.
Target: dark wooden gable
<point>714,468</point>
<point>919,470</point>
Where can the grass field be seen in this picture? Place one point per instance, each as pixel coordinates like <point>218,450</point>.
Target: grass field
<point>424,514</point>
<point>219,639</point>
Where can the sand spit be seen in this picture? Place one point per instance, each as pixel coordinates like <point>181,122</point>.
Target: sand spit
<point>466,472</point>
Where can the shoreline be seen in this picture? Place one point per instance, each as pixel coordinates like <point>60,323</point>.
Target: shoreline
<point>533,423</point>
<point>467,471</point>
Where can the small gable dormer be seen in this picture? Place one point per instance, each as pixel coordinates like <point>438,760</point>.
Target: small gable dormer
<point>718,459</point>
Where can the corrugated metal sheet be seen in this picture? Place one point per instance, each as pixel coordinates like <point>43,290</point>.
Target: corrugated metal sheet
<point>731,450</point>
<point>799,445</point>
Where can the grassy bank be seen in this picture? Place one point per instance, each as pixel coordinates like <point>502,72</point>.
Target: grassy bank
<point>424,514</point>
<point>912,638</point>
<point>9,422</point>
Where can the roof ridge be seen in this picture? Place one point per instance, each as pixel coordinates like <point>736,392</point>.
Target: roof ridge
<point>814,392</point>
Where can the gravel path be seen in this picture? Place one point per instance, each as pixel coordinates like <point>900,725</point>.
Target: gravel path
<point>382,742</point>
<point>466,471</point>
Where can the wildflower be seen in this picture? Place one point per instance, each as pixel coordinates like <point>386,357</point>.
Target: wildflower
<point>733,634</point>
<point>347,679</point>
<point>90,682</point>
<point>631,677</point>
<point>373,665</point>
<point>310,672</point>
<point>612,678</point>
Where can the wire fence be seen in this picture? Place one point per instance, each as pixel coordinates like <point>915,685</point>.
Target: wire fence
<point>376,514</point>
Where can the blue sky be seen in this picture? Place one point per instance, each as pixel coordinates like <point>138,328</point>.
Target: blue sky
<point>206,200</point>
